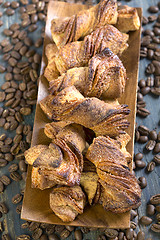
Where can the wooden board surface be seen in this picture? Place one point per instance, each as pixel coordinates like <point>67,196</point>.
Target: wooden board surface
<point>36,202</point>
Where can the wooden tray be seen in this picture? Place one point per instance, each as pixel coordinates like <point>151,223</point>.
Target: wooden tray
<point>36,202</point>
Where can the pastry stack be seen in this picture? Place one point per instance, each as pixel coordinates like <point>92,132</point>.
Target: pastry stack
<point>86,161</point>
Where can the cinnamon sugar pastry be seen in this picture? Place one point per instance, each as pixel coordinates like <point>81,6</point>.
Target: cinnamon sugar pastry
<point>67,202</point>
<point>61,162</point>
<point>120,191</point>
<point>77,54</point>
<point>70,29</point>
<point>102,117</point>
<point>128,19</point>
<point>104,78</point>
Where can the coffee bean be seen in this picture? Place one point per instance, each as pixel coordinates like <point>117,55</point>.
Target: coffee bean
<point>157,81</point>
<point>19,209</point>
<point>158,208</point>
<point>17,199</point>
<point>18,46</point>
<point>22,166</point>
<point>157,159</point>
<point>25,225</point>
<point>2,122</point>
<point>143,112</point>
<point>17,139</point>
<point>8,77</point>
<point>152,18</point>
<point>145,90</point>
<point>59,228</point>
<point>78,234</point>
<point>70,228</point>
<point>153,135</point>
<point>158,217</point>
<point>8,141</point>
<point>6,237</point>
<point>143,139</point>
<point>3,208</point>
<point>38,43</point>
<point>157,148</point>
<point>150,209</point>
<point>133,214</point>
<point>1,187</point>
<point>140,164</point>
<point>37,233</point>
<point>15,176</point>
<point>30,9</point>
<point>143,130</point>
<point>129,233</point>
<point>142,182</point>
<point>53,237</point>
<point>24,2</point>
<point>25,111</point>
<point>50,229</point>
<point>155,199</point>
<point>155,228</point>
<point>14,4</point>
<point>140,235</point>
<point>28,42</point>
<point>10,12</point>
<point>64,234</point>
<point>23,50</point>
<point>138,156</point>
<point>33,226</point>
<point>153,9</point>
<point>5,148</point>
<point>150,145</point>
<point>145,220</point>
<point>3,162</point>
<point>156,31</point>
<point>13,167</point>
<point>1,23</point>
<point>8,157</point>
<point>151,166</point>
<point>2,96</point>
<point>23,237</point>
<point>6,56</point>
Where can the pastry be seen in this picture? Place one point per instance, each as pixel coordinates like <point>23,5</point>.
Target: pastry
<point>77,54</point>
<point>101,117</point>
<point>70,29</point>
<point>104,78</point>
<point>67,202</point>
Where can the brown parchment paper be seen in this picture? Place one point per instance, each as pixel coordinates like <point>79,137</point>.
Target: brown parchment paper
<point>36,202</point>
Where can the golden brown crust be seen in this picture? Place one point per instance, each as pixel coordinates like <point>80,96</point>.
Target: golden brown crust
<point>128,19</point>
<point>104,78</point>
<point>67,202</point>
<point>107,150</point>
<point>102,117</point>
<point>70,29</point>
<point>62,161</point>
<point>77,54</point>
<point>89,182</point>
<point>120,190</point>
<point>39,181</point>
<point>32,153</point>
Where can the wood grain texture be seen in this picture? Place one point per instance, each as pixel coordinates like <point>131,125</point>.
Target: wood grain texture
<point>36,202</point>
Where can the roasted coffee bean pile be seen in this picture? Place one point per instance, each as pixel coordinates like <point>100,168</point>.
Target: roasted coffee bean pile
<point>21,57</point>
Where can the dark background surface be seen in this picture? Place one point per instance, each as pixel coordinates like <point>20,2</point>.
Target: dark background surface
<point>12,219</point>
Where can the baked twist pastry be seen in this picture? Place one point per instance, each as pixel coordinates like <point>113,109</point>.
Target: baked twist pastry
<point>70,29</point>
<point>61,162</point>
<point>37,180</point>
<point>120,191</point>
<point>67,202</point>
<point>77,54</point>
<point>102,117</point>
<point>104,78</point>
<point>128,19</point>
